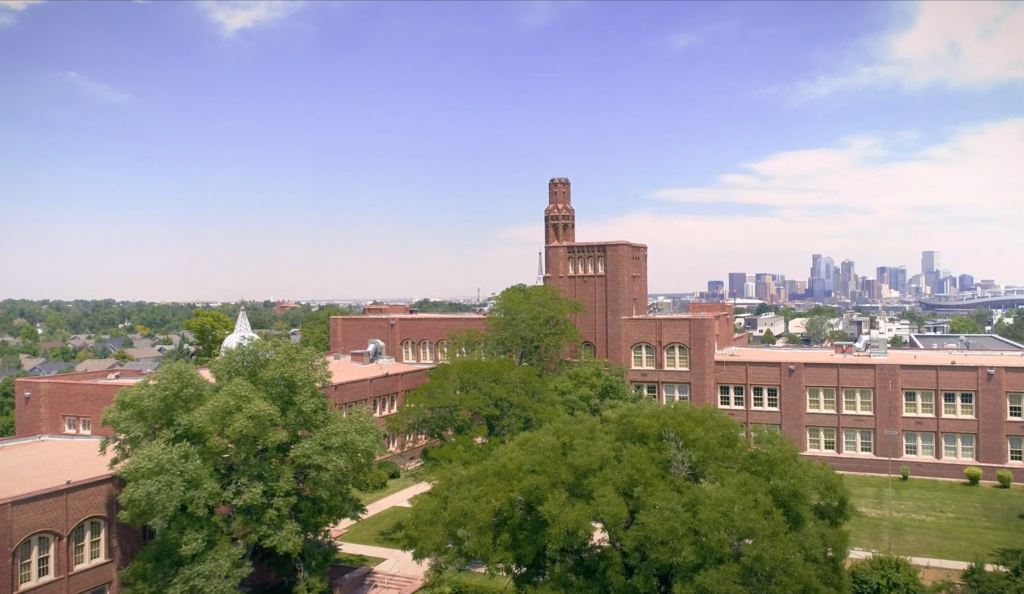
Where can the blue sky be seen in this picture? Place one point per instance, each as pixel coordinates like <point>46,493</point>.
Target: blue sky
<point>173,151</point>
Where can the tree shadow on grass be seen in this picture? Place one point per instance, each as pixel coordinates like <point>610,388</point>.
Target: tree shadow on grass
<point>393,535</point>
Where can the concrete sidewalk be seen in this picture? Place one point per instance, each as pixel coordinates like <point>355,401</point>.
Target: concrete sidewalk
<point>926,562</point>
<point>399,499</point>
<point>396,561</point>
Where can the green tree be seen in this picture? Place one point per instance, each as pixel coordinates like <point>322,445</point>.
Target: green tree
<point>823,310</point>
<point>210,328</point>
<point>180,352</point>
<point>252,468</point>
<point>61,353</point>
<point>914,316</point>
<point>977,579</point>
<point>7,404</point>
<point>84,355</point>
<point>316,327</point>
<point>964,325</point>
<point>818,328</point>
<point>645,499</point>
<point>532,324</point>
<point>122,356</point>
<point>982,316</point>
<point>793,340</point>
<point>590,387</point>
<point>56,326</point>
<point>28,333</point>
<point>896,342</point>
<point>762,308</point>
<point>885,574</point>
<point>768,337</point>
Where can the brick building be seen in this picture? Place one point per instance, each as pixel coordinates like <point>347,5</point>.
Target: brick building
<point>936,411</point>
<point>58,532</point>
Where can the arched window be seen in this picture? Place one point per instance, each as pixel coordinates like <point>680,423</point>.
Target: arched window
<point>600,265</point>
<point>643,356</point>
<point>590,265</point>
<point>426,352</point>
<point>35,560</point>
<point>572,265</point>
<point>677,357</point>
<point>409,351</point>
<point>581,264</point>
<point>88,543</point>
<point>443,346</point>
<point>589,350</point>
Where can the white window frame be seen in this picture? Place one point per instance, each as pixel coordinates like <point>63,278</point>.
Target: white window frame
<point>644,353</point>
<point>70,424</point>
<point>588,349</point>
<point>375,406</point>
<point>732,396</point>
<point>957,406</point>
<point>85,425</point>
<point>1015,444</point>
<point>964,446</point>
<point>677,356</point>
<point>391,441</point>
<point>765,397</point>
<point>679,393</point>
<point>392,402</point>
<point>408,351</point>
<point>91,536</point>
<point>426,351</point>
<point>858,438</point>
<point>31,546</point>
<point>819,397</point>
<point>860,397</point>
<point>818,438</point>
<point>590,265</point>
<point>580,262</point>
<point>919,444</point>
<point>444,348</point>
<point>572,265</point>
<point>646,390</point>
<point>923,399</point>
<point>600,264</point>
<point>1015,406</point>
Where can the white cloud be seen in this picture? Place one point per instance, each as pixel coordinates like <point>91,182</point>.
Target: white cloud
<point>537,14</point>
<point>867,198</point>
<point>94,89</point>
<point>7,17</point>
<point>682,41</point>
<point>243,14</point>
<point>955,44</point>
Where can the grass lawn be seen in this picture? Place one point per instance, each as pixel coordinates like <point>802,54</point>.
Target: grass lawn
<point>356,560</point>
<point>379,530</point>
<point>405,481</point>
<point>937,519</point>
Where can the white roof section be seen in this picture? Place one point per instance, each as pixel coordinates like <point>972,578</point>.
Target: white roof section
<point>243,333</point>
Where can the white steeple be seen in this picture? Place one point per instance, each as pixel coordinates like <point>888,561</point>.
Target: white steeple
<point>243,333</point>
<point>540,267</point>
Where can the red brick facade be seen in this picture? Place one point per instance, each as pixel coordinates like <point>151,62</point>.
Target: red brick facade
<point>43,403</point>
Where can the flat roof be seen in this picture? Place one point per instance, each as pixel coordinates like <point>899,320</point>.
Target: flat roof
<point>38,463</point>
<point>453,314</point>
<point>990,342</point>
<point>343,370</point>
<point>893,357</point>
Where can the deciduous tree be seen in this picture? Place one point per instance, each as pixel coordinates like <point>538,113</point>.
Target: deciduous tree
<point>254,467</point>
<point>209,328</point>
<point>532,324</point>
<point>964,325</point>
<point>768,337</point>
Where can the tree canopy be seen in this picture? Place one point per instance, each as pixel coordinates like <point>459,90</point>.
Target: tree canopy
<point>644,499</point>
<point>1015,329</point>
<point>209,328</point>
<point>252,468</point>
<point>532,324</point>
<point>316,327</point>
<point>964,325</point>
<point>768,337</point>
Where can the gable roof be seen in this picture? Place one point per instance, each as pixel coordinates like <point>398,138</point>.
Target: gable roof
<point>98,365</point>
<point>141,365</point>
<point>51,368</point>
<point>28,361</point>
<point>144,353</point>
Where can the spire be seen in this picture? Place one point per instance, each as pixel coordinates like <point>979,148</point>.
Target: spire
<point>243,333</point>
<point>540,267</point>
<point>242,325</point>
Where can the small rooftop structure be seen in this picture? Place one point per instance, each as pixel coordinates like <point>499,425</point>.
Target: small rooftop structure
<point>42,463</point>
<point>243,333</point>
<point>987,342</point>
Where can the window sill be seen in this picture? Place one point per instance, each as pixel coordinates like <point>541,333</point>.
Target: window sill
<point>38,584</point>
<point>83,568</point>
<point>764,409</point>
<point>823,412</point>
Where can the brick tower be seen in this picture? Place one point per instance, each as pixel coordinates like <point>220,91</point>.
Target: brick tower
<point>559,216</point>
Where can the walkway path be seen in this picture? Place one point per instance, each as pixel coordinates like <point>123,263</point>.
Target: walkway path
<point>396,561</point>
<point>926,562</point>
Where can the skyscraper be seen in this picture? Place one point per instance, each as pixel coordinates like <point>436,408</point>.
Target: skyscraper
<point>820,285</point>
<point>929,262</point>
<point>736,282</point>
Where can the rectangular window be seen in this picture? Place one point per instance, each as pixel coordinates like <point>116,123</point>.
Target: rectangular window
<point>857,401</point>
<point>764,397</point>
<point>957,446</point>
<point>677,393</point>
<point>78,542</point>
<point>731,396</point>
<point>919,403</point>
<point>85,426</point>
<point>958,404</point>
<point>43,557</point>
<point>1017,449</point>
<point>921,445</point>
<point>858,441</point>
<point>647,390</point>
<point>95,540</point>
<point>393,402</point>
<point>821,439</point>
<point>821,399</point>
<point>376,407</point>
<point>25,562</point>
<point>1016,405</point>
<point>70,425</point>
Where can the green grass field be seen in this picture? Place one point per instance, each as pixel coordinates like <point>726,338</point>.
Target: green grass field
<point>405,481</point>
<point>357,560</point>
<point>937,519</point>
<point>379,530</point>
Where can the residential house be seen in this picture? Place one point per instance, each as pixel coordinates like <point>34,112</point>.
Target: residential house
<point>98,365</point>
<point>144,354</point>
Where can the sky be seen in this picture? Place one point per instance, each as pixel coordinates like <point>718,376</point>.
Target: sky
<point>314,150</point>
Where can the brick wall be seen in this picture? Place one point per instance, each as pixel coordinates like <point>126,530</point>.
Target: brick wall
<point>350,333</point>
<point>53,397</point>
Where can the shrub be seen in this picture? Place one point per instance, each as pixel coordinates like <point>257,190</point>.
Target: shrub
<point>1005,478</point>
<point>905,473</point>
<point>885,574</point>
<point>392,469</point>
<point>373,481</point>
<point>973,474</point>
